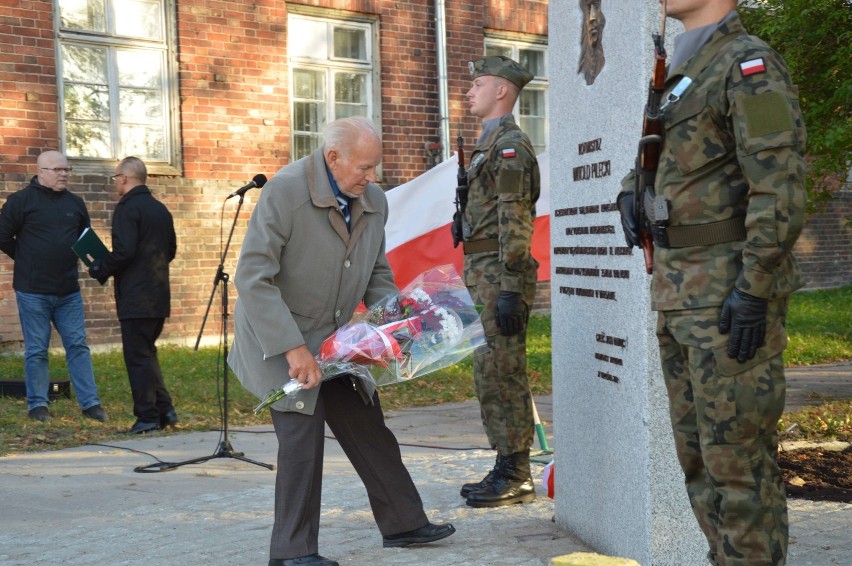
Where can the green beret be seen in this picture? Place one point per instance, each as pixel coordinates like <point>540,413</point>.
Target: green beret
<point>500,66</point>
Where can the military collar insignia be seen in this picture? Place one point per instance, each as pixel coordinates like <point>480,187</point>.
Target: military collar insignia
<point>752,67</point>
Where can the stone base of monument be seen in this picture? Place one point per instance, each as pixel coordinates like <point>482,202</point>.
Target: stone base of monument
<point>591,559</point>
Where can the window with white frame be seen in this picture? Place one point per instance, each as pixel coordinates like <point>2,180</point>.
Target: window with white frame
<point>531,107</point>
<point>115,79</point>
<point>331,72</point>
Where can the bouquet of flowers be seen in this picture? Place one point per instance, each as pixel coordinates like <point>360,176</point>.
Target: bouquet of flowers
<point>430,325</point>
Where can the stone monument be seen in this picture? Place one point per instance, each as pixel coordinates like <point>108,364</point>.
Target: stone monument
<point>618,483</point>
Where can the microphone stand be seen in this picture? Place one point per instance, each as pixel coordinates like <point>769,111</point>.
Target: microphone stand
<point>225,450</point>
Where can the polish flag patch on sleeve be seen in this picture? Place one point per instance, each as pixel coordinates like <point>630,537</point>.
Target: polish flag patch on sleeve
<point>752,66</point>
<point>508,152</point>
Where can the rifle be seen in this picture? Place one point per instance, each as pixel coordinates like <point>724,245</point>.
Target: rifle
<point>457,227</point>
<point>650,144</point>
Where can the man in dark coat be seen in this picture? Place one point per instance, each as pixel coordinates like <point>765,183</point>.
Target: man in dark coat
<point>143,244</point>
<point>38,226</point>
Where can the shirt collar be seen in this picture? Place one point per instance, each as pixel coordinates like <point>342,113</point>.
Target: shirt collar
<point>332,182</point>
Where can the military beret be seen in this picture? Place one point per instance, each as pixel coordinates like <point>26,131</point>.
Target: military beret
<point>500,66</point>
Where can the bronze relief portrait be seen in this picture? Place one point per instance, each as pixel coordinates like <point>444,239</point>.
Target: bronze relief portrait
<point>591,49</point>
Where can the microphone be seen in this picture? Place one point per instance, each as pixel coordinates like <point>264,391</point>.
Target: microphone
<point>257,181</point>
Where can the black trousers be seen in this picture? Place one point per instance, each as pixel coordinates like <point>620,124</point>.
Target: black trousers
<point>150,398</point>
<point>371,448</point>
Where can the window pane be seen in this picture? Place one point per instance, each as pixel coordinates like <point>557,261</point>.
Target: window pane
<point>350,95</point>
<point>308,116</point>
<point>140,68</point>
<point>307,38</point>
<point>82,14</point>
<point>89,139</point>
<point>143,142</point>
<point>308,84</point>
<point>350,87</point>
<point>350,43</point>
<point>139,18</point>
<point>533,119</point>
<point>140,107</point>
<point>84,64</point>
<point>533,61</point>
<point>504,50</point>
<point>86,102</point>
<point>304,145</point>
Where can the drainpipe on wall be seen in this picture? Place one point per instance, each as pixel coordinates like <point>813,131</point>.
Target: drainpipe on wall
<point>443,96</point>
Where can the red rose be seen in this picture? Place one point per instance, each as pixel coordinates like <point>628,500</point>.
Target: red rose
<point>360,343</point>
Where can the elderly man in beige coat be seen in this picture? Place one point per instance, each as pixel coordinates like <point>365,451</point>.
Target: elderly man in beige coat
<point>313,250</point>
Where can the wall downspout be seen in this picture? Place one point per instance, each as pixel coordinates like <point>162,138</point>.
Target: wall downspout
<point>443,96</point>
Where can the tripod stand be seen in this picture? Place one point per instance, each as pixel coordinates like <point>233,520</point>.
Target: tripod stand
<point>225,450</point>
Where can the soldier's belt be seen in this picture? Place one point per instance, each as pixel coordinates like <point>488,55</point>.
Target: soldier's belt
<point>730,230</point>
<point>481,246</point>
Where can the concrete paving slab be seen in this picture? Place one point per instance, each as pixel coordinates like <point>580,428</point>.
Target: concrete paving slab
<point>86,505</point>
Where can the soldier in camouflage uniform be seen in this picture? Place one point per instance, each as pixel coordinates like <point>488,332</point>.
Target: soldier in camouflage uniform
<point>732,173</point>
<point>500,274</point>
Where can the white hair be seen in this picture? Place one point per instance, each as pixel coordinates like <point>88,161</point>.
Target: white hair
<point>343,132</point>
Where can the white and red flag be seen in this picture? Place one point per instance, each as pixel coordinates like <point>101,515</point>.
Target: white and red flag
<point>418,228</point>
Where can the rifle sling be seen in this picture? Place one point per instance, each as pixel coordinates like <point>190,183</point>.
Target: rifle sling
<point>481,246</point>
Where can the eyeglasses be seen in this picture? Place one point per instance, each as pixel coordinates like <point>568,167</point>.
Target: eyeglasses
<point>57,170</point>
<point>116,176</point>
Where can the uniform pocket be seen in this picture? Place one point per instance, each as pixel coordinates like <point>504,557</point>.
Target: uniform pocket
<point>742,404</point>
<point>692,138</point>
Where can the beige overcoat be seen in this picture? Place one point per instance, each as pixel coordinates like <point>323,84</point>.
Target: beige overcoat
<point>301,274</point>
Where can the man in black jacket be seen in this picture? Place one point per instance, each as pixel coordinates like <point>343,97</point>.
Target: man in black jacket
<point>143,244</point>
<point>38,226</point>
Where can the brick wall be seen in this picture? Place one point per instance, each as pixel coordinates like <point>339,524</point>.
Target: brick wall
<point>824,249</point>
<point>234,110</point>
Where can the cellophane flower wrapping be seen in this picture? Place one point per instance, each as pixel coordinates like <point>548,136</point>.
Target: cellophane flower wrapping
<point>430,325</point>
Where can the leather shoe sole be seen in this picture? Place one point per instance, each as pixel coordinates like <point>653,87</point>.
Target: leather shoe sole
<point>423,535</point>
<point>311,559</point>
<point>140,427</point>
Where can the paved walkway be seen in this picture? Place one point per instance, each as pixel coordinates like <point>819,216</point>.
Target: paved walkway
<point>86,505</point>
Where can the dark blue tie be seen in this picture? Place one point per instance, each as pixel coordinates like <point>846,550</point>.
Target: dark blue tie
<point>344,208</point>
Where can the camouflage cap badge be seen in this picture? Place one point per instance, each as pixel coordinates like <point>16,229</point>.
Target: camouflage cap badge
<point>500,66</point>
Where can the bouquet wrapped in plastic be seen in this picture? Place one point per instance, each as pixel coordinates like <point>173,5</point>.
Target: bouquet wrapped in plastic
<point>430,325</point>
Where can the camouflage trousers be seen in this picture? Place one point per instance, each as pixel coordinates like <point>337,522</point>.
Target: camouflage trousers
<point>500,377</point>
<point>724,416</point>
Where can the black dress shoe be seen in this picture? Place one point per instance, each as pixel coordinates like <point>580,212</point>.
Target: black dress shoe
<point>312,559</point>
<point>141,427</point>
<point>96,412</point>
<point>168,419</point>
<point>40,414</point>
<point>429,533</point>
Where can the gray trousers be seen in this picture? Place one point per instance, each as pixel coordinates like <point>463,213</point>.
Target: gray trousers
<point>371,448</point>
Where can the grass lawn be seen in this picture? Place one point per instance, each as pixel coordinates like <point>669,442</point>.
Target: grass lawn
<point>819,325</point>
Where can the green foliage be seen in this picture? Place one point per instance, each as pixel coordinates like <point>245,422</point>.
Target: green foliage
<point>819,326</point>
<point>815,39</point>
<point>829,420</point>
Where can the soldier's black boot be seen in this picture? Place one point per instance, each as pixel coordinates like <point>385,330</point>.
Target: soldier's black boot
<point>487,480</point>
<point>513,485</point>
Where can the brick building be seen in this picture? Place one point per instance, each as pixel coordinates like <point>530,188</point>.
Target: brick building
<point>211,92</point>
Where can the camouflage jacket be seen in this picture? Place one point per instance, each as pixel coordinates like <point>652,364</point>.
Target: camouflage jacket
<point>733,147</point>
<point>504,185</point>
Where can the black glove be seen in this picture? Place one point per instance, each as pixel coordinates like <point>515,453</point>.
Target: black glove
<point>511,313</point>
<point>745,316</point>
<point>628,220</point>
